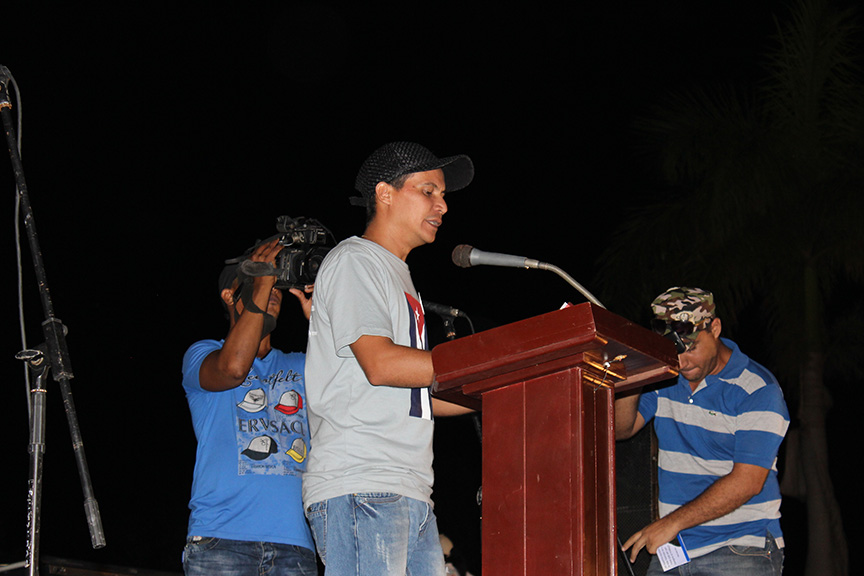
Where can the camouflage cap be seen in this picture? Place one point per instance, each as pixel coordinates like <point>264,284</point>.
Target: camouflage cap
<point>684,305</point>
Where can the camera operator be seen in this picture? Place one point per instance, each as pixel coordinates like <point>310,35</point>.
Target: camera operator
<point>248,406</point>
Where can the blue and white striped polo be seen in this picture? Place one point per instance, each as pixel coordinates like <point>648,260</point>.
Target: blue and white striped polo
<point>738,415</point>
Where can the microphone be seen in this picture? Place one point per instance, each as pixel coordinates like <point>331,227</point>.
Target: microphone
<point>443,310</point>
<point>466,256</point>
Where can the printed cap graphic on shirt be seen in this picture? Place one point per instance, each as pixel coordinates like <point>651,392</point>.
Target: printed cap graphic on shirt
<point>298,450</point>
<point>254,401</point>
<point>260,448</point>
<point>290,402</point>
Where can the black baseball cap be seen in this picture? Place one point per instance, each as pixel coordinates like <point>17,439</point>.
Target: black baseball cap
<point>399,158</point>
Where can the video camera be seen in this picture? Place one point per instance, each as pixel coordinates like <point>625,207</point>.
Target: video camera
<point>305,243</point>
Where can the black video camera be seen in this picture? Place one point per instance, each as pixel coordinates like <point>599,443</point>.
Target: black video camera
<point>305,243</point>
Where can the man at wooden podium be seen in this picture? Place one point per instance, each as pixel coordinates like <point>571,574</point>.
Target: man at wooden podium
<point>368,482</point>
<point>719,428</point>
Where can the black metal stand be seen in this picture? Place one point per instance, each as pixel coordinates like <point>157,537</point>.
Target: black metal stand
<point>57,357</point>
<point>38,366</point>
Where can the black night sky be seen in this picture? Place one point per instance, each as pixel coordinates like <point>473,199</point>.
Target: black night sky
<point>160,138</point>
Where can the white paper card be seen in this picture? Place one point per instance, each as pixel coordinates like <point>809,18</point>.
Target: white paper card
<point>671,556</point>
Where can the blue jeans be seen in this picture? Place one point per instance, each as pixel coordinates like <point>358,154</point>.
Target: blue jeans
<point>376,534</point>
<point>730,561</point>
<point>205,556</point>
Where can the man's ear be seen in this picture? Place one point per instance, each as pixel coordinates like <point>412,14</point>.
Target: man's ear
<point>383,193</point>
<point>716,327</point>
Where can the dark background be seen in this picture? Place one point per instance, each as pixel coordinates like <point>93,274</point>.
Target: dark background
<point>160,138</point>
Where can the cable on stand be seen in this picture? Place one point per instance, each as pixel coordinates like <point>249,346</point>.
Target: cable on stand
<point>53,358</point>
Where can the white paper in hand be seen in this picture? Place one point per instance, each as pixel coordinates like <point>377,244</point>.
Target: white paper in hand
<point>671,556</point>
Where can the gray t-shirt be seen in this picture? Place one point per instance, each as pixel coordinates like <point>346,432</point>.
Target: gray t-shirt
<point>365,438</point>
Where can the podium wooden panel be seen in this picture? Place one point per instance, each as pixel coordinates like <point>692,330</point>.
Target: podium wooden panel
<point>546,387</point>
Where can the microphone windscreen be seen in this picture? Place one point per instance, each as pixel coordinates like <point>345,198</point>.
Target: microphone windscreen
<point>462,255</point>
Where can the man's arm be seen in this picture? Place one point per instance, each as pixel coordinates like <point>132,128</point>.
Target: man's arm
<point>728,493</point>
<point>228,367</point>
<point>388,364</point>
<point>444,408</point>
<point>628,421</point>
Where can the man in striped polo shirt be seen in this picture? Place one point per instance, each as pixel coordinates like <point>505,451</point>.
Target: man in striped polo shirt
<point>719,427</point>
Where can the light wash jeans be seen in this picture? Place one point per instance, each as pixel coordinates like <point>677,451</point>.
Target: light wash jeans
<point>376,534</point>
<point>729,561</point>
<point>206,556</point>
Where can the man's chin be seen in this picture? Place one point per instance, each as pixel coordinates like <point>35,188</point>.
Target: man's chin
<point>274,309</point>
<point>269,324</point>
<point>691,375</point>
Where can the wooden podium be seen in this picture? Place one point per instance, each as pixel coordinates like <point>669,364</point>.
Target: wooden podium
<point>546,387</point>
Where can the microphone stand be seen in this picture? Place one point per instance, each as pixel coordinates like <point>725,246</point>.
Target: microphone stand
<point>465,256</point>
<point>37,366</point>
<point>570,280</point>
<point>58,363</point>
